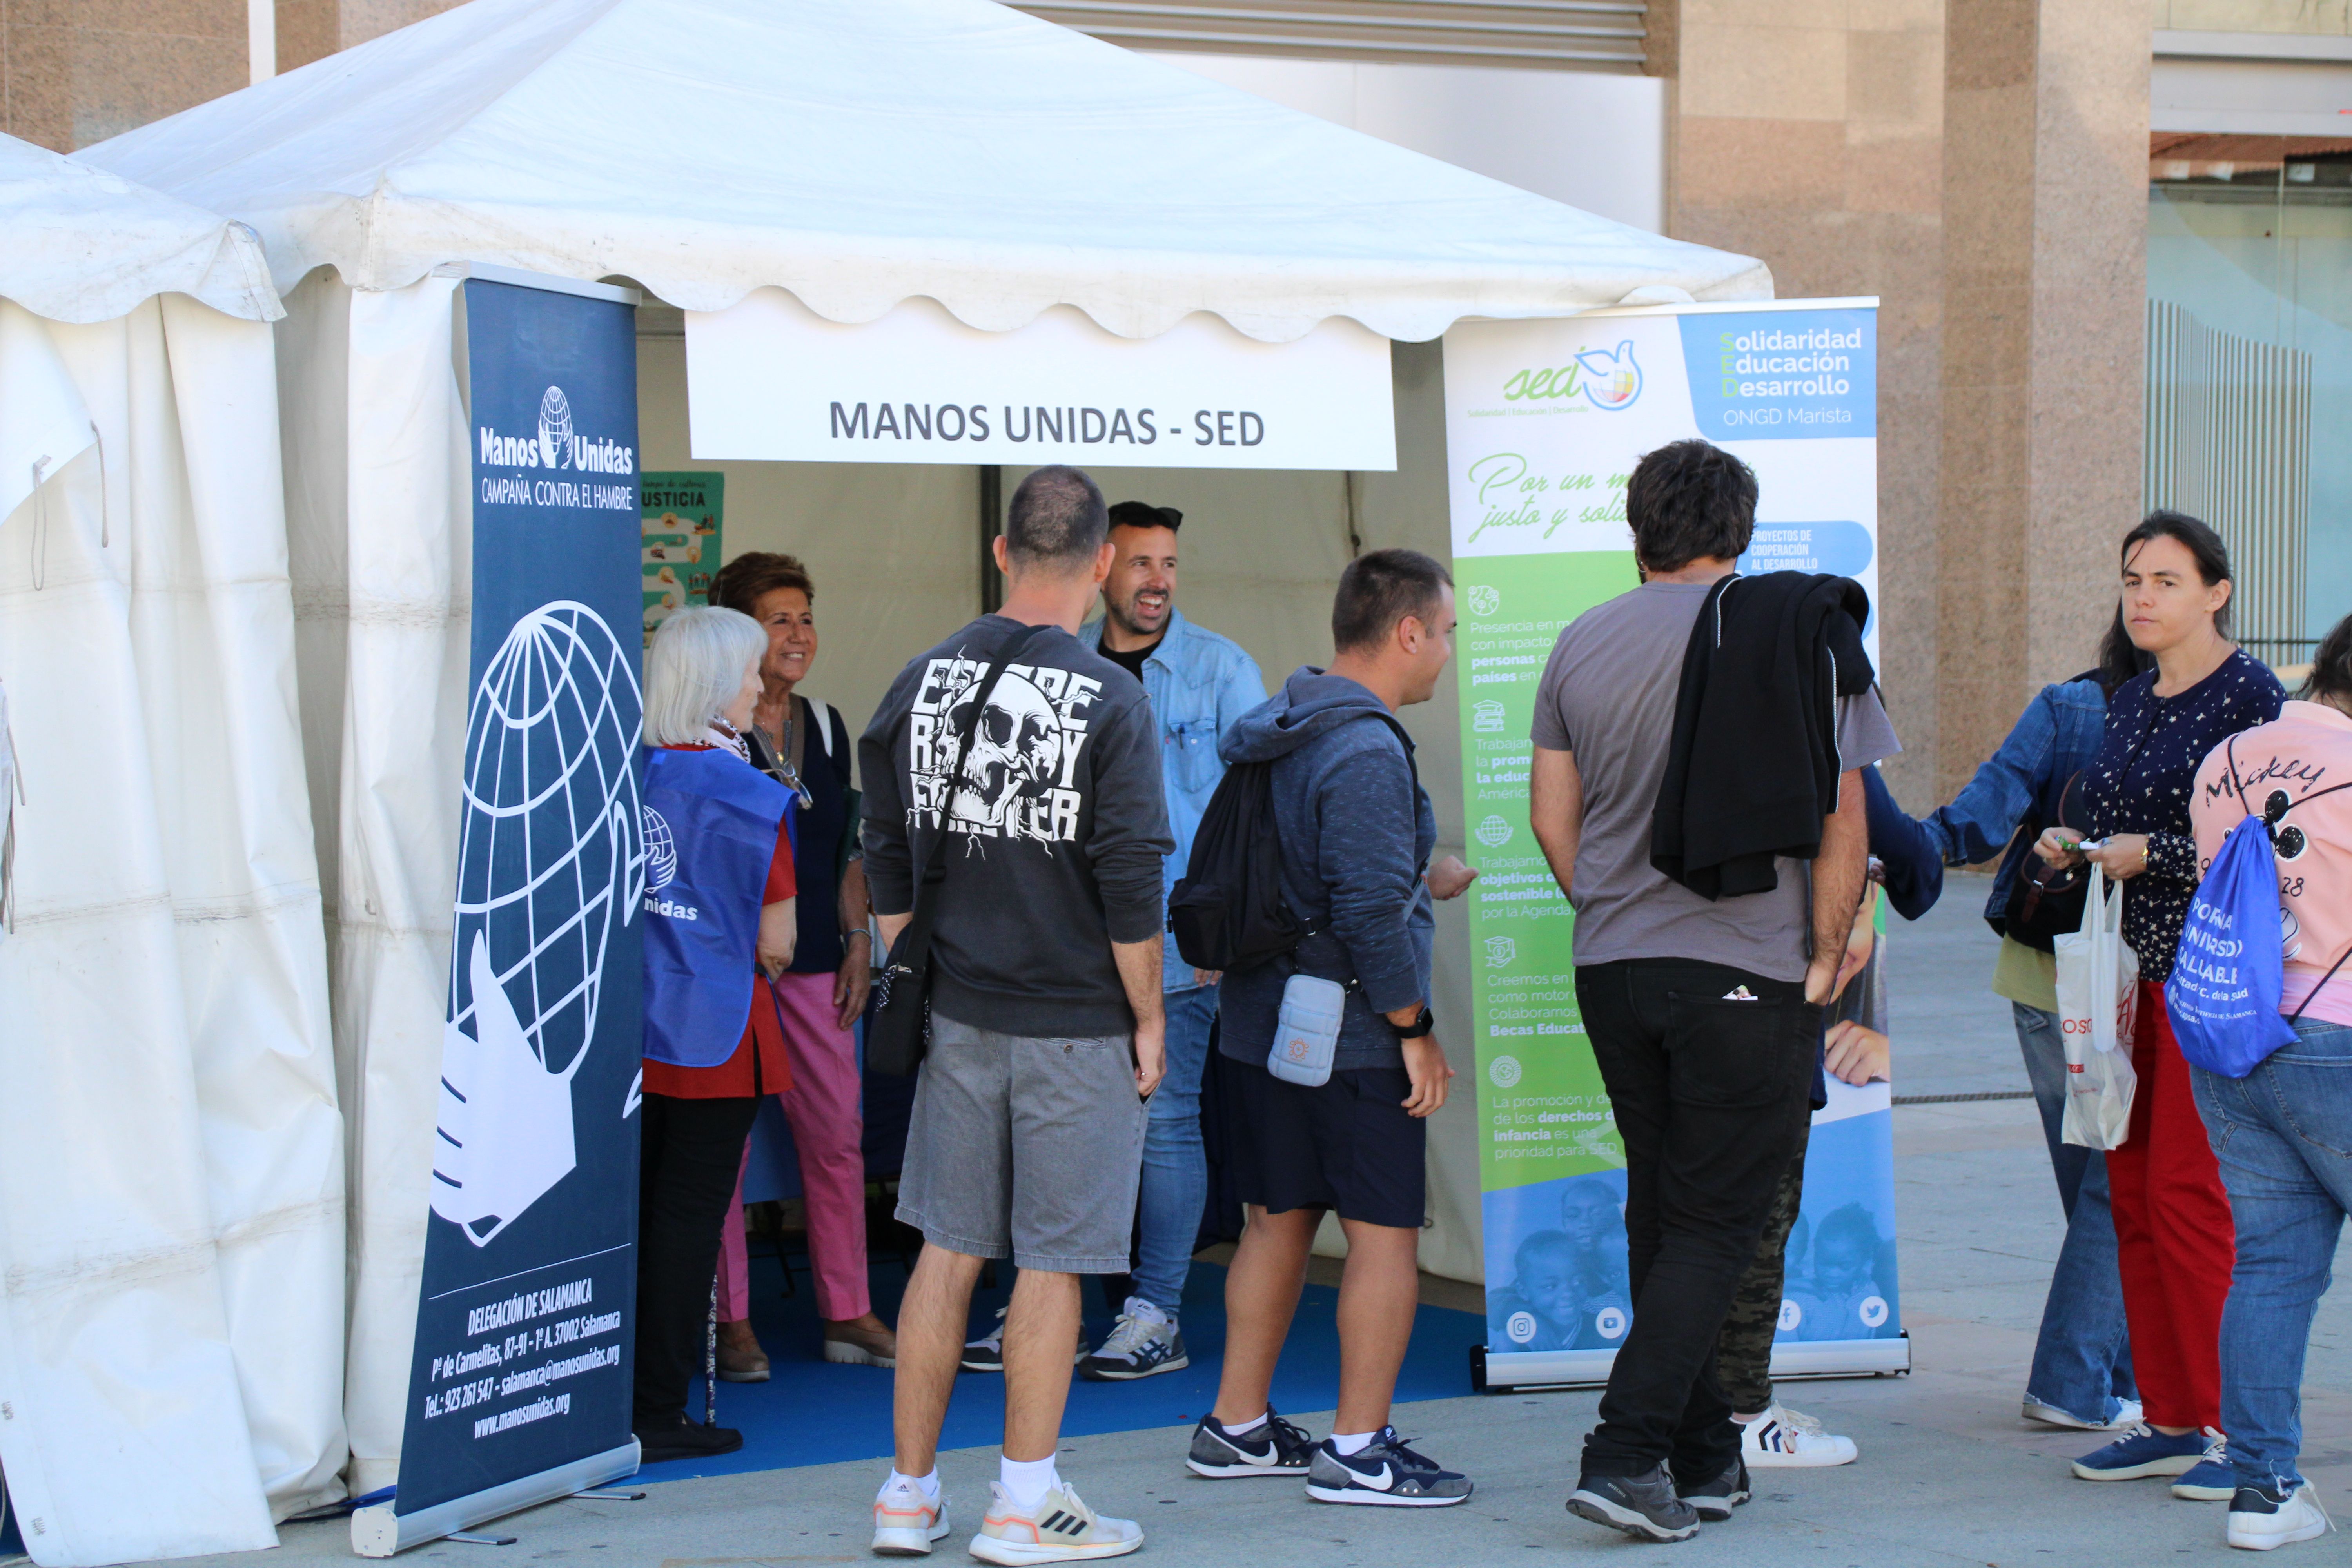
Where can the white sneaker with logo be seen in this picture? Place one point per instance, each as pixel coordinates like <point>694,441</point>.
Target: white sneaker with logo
<point>1787,1439</point>
<point>1060,1529</point>
<point>1144,1343</point>
<point>906,1522</point>
<point>986,1353</point>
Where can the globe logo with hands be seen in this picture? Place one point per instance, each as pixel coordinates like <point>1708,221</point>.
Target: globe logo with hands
<point>550,862</point>
<point>555,428</point>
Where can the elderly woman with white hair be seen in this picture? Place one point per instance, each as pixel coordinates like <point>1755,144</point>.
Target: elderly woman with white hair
<point>720,923</point>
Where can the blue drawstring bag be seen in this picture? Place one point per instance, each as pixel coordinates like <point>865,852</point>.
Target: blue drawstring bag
<point>2223,996</point>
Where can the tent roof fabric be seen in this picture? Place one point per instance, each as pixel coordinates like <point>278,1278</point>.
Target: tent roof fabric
<point>861,153</point>
<point>87,245</point>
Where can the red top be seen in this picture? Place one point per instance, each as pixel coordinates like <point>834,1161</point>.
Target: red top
<point>758,1066</point>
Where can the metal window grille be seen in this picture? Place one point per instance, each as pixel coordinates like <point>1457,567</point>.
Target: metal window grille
<point>1571,35</point>
<point>2229,440</point>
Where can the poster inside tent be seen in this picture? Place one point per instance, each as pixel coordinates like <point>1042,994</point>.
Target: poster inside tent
<point>1544,423</point>
<point>684,518</point>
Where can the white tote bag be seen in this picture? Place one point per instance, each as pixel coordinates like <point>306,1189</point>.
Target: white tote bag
<point>2098,1008</point>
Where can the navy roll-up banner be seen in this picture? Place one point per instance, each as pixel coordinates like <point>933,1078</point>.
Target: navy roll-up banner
<point>526,1318</point>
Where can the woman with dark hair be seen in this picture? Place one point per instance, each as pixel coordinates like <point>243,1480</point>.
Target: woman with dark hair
<point>805,746</point>
<point>2173,1234</point>
<point>2081,1374</point>
<point>2281,1131</point>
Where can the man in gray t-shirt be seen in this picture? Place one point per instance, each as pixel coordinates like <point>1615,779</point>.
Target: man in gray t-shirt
<point>1703,1016</point>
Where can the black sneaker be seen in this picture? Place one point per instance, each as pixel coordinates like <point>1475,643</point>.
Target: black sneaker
<point>1644,1505</point>
<point>1384,1472</point>
<point>1274,1448</point>
<point>1714,1499</point>
<point>687,1440</point>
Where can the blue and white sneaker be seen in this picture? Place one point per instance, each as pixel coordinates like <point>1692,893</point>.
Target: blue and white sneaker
<point>1384,1472</point>
<point>2143,1451</point>
<point>1144,1343</point>
<point>1272,1448</point>
<point>2211,1479</point>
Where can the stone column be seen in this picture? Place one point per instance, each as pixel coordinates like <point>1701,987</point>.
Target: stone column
<point>1810,133</point>
<point>2045,291</point>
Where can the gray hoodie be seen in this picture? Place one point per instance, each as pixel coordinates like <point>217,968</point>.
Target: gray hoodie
<point>1357,832</point>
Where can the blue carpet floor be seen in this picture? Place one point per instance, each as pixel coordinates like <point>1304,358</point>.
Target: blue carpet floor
<point>814,1413</point>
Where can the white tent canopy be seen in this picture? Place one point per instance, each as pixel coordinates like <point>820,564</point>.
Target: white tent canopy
<point>88,246</point>
<point>171,1157</point>
<point>860,153</point>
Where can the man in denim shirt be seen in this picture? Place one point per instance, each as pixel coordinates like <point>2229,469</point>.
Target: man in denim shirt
<point>2082,1372</point>
<point>1199,684</point>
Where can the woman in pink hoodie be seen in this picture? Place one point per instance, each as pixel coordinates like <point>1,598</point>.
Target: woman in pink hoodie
<point>2284,1133</point>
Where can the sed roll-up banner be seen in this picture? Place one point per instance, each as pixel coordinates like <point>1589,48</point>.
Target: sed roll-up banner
<point>519,1389</point>
<point>1544,423</point>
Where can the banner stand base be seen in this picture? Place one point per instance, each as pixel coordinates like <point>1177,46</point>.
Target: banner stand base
<point>378,1532</point>
<point>1500,1372</point>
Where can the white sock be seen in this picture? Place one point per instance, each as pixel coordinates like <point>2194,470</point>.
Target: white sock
<point>1137,1307</point>
<point>928,1485</point>
<point>1026,1481</point>
<point>1345,1443</point>
<point>1244,1428</point>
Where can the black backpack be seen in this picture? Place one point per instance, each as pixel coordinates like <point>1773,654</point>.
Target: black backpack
<point>1228,911</point>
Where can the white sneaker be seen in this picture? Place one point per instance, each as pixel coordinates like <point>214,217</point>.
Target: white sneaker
<point>906,1522</point>
<point>2126,1418</point>
<point>1061,1529</point>
<point>2260,1521</point>
<point>1784,1439</point>
<point>1145,1342</point>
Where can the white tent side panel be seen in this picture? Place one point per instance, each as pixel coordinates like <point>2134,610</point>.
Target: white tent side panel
<point>171,1191</point>
<point>380,531</point>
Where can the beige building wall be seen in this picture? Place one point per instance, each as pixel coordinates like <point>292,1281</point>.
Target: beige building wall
<point>1810,133</point>
<point>77,71</point>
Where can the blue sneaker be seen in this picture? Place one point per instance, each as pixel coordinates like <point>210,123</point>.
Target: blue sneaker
<point>2140,1452</point>
<point>2211,1479</point>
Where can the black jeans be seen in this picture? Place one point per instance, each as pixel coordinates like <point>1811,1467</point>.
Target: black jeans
<point>1709,1094</point>
<point>690,1154</point>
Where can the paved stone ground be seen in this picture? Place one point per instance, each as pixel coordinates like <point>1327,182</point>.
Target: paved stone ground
<point>1948,1474</point>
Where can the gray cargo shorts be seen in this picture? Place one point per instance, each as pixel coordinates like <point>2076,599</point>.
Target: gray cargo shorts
<point>1027,1149</point>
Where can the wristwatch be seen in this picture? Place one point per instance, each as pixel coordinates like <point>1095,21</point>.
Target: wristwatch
<point>1419,1029</point>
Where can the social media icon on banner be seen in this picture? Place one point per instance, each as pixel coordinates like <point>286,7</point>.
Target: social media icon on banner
<point>1613,1322</point>
<point>1873,1311</point>
<point>1520,1327</point>
<point>1790,1316</point>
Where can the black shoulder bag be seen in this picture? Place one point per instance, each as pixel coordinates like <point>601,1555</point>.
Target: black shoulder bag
<point>898,1028</point>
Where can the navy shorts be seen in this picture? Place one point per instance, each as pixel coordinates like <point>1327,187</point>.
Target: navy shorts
<point>1346,1145</point>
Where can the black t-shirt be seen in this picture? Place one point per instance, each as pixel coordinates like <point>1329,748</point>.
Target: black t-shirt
<point>1132,660</point>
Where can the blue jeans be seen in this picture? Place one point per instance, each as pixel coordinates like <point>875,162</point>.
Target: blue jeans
<point>2082,1360</point>
<point>1175,1167</point>
<point>2284,1137</point>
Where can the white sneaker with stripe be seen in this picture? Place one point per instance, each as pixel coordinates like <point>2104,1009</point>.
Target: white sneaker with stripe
<point>1788,1439</point>
<point>1061,1529</point>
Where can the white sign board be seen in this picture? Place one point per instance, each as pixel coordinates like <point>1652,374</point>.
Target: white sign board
<point>768,379</point>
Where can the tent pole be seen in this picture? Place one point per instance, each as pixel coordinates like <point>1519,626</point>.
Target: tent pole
<point>991,512</point>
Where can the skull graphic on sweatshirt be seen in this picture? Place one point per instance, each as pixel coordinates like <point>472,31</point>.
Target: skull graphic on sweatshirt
<point>1017,777</point>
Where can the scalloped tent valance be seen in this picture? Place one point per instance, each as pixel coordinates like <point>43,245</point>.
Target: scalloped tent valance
<point>861,153</point>
<point>87,245</point>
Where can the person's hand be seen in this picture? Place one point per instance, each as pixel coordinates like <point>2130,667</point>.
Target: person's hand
<point>2122,855</point>
<point>1855,1052</point>
<point>854,978</point>
<point>1449,877</point>
<point>1821,978</point>
<point>1207,976</point>
<point>1150,1056</point>
<point>2056,845</point>
<point>1424,1064</point>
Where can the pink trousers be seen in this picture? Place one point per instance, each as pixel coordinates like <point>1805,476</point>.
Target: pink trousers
<point>828,1135</point>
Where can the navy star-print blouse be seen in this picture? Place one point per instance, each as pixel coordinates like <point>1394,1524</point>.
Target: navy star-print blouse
<point>2141,782</point>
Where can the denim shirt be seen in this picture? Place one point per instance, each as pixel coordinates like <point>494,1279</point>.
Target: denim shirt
<point>2054,738</point>
<point>1199,684</point>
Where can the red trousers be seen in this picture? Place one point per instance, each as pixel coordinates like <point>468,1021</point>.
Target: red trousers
<point>2173,1234</point>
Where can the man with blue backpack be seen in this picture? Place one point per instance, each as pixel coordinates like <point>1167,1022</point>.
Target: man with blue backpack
<point>1331,1057</point>
<point>2261,1001</point>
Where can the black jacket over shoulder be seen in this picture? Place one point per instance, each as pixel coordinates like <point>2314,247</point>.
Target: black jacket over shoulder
<point>1753,765</point>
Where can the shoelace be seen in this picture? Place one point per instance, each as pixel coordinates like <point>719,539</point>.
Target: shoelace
<point>1127,1335</point>
<point>1288,1437</point>
<point>1798,1421</point>
<point>1400,1448</point>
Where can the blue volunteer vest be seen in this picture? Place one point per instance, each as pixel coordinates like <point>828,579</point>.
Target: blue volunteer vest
<point>710,834</point>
